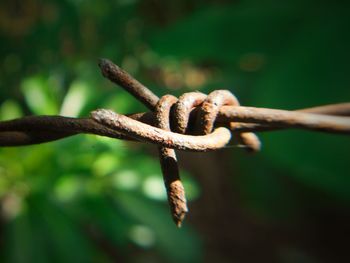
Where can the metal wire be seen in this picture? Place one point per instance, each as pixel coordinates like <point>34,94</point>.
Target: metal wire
<point>193,122</point>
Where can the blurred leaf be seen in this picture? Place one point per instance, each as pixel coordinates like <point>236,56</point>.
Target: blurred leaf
<point>40,96</point>
<point>75,99</point>
<point>73,194</point>
<point>10,110</point>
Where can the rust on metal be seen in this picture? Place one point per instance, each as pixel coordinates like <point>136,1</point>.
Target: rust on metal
<point>125,80</point>
<point>183,108</point>
<point>144,132</point>
<point>209,111</point>
<point>168,161</point>
<point>193,122</point>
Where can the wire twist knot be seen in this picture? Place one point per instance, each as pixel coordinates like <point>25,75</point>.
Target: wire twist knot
<point>192,122</point>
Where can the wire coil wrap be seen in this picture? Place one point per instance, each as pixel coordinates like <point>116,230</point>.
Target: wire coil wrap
<point>192,122</point>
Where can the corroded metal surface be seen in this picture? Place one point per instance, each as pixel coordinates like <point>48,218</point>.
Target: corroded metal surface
<point>194,122</point>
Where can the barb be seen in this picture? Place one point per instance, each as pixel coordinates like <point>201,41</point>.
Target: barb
<point>167,156</point>
<point>169,165</point>
<point>192,117</point>
<point>38,129</point>
<point>125,80</point>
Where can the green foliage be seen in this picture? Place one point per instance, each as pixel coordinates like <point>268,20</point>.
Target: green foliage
<point>288,56</point>
<point>69,201</point>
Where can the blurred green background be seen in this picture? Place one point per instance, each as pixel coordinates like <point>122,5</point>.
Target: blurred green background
<point>94,199</point>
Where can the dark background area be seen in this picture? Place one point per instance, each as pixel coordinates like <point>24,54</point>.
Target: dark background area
<point>93,199</point>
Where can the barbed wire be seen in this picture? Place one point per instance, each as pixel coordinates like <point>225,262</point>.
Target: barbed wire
<point>192,122</point>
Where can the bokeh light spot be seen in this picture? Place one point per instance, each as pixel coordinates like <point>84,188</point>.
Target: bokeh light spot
<point>126,180</point>
<point>142,236</point>
<point>153,187</point>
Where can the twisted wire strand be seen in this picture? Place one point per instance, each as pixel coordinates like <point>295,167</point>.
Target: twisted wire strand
<point>206,116</point>
<point>272,119</point>
<point>194,122</point>
<point>38,129</point>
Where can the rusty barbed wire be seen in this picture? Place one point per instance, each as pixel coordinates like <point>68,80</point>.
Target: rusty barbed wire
<point>192,122</point>
<point>168,162</point>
